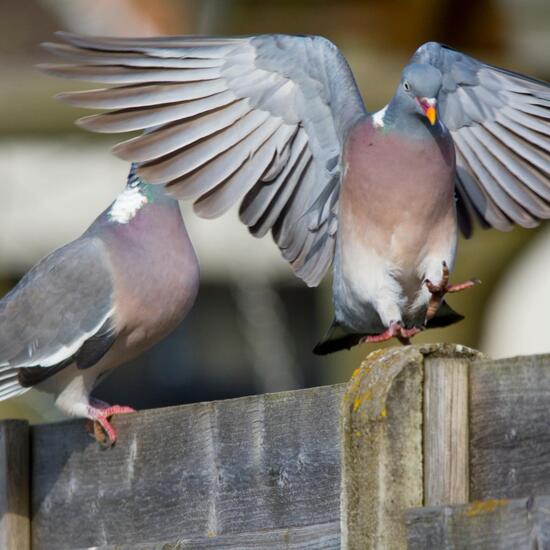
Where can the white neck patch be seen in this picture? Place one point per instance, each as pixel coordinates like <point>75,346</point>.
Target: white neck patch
<point>378,117</point>
<point>127,205</point>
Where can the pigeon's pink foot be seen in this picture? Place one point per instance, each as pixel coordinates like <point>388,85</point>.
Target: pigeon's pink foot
<point>395,330</point>
<point>388,334</point>
<point>439,290</point>
<point>407,334</point>
<point>99,414</point>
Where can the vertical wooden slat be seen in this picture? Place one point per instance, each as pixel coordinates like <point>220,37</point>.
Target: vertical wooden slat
<point>446,453</point>
<point>15,531</point>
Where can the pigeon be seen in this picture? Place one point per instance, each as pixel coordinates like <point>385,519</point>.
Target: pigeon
<point>276,123</point>
<point>98,302</point>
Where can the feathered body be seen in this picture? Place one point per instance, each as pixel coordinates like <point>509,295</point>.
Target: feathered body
<point>393,232</point>
<point>99,301</point>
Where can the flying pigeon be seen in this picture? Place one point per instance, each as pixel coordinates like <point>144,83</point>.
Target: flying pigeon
<point>98,302</point>
<point>278,121</point>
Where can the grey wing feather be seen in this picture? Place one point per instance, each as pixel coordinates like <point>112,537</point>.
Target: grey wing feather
<point>60,312</point>
<point>499,121</point>
<point>261,118</point>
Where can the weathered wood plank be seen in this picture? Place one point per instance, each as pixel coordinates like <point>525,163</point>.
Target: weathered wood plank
<point>510,428</point>
<point>381,448</point>
<point>311,537</point>
<point>198,471</point>
<point>490,524</point>
<point>446,443</point>
<point>15,532</point>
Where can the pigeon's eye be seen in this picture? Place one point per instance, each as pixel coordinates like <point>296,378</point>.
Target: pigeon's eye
<point>407,86</point>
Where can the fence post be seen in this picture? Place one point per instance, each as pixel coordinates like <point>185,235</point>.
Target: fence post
<point>15,528</point>
<point>381,449</point>
<point>404,440</point>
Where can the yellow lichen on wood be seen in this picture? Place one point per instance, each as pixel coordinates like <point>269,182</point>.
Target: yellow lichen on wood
<point>485,506</point>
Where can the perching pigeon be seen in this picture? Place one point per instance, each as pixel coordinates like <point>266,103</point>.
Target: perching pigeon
<point>278,120</point>
<point>97,302</point>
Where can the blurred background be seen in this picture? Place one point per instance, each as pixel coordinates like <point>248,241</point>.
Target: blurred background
<point>254,324</point>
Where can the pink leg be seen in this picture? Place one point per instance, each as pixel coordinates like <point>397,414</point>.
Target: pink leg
<point>407,334</point>
<point>439,290</point>
<point>388,334</point>
<point>395,330</point>
<point>99,413</point>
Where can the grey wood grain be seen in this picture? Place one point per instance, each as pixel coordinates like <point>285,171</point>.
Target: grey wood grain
<point>491,525</point>
<point>197,471</point>
<point>510,428</point>
<point>446,442</point>
<point>381,448</point>
<point>311,537</point>
<point>15,533</point>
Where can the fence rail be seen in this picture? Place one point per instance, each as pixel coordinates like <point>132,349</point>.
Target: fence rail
<point>417,434</point>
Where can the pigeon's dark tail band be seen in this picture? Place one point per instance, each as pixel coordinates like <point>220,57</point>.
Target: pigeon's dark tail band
<point>338,338</point>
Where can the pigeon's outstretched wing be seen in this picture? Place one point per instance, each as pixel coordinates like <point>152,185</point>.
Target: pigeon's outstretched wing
<point>60,312</point>
<point>260,117</point>
<point>499,121</point>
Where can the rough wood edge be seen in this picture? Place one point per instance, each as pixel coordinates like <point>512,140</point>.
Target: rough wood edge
<point>381,449</point>
<point>325,535</point>
<point>15,527</point>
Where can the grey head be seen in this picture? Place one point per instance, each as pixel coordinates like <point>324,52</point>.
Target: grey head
<point>415,99</point>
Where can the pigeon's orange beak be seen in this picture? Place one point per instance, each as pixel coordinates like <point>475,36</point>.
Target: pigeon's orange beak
<point>428,107</point>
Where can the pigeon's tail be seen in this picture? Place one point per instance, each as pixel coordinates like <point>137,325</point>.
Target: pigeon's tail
<point>339,338</point>
<point>336,339</point>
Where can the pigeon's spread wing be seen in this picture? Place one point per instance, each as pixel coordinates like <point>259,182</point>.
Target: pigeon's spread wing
<point>499,121</point>
<point>261,118</point>
<point>60,312</point>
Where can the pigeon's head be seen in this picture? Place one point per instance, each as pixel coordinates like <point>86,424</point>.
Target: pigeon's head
<point>418,89</point>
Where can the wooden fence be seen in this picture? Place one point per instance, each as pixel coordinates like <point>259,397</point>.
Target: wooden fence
<point>427,447</point>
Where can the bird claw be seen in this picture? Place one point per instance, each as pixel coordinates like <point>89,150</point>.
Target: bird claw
<point>395,330</point>
<point>437,291</point>
<point>98,425</point>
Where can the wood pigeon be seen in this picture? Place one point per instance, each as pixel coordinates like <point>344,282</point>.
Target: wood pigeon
<point>98,302</point>
<point>277,123</point>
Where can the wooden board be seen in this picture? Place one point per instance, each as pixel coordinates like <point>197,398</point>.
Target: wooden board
<point>15,533</point>
<point>199,471</point>
<point>446,454</point>
<point>491,525</point>
<point>510,428</point>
